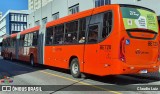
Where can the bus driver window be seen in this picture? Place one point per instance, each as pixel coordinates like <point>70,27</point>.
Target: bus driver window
<point>93,34</point>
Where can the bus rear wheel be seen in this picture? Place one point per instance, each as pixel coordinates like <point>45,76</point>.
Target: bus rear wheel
<point>32,60</point>
<point>74,68</point>
<point>11,57</point>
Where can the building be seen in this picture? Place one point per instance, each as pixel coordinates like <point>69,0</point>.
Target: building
<point>36,4</point>
<point>13,21</point>
<point>60,8</point>
<point>0,14</point>
<point>57,9</point>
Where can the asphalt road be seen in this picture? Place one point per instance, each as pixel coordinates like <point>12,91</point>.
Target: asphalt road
<point>21,73</point>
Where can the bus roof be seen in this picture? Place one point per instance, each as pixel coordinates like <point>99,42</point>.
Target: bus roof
<point>13,35</point>
<point>89,13</point>
<point>133,6</point>
<point>30,30</point>
<point>82,14</point>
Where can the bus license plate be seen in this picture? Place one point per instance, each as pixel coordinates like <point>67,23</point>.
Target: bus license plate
<point>143,71</point>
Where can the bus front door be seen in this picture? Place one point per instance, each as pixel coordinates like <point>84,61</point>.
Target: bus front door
<point>91,50</point>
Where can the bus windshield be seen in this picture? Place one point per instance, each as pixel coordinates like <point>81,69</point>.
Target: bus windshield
<point>139,18</point>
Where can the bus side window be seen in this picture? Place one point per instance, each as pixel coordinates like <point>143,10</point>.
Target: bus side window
<point>11,42</point>
<point>14,42</point>
<point>35,38</point>
<point>8,42</point>
<point>107,24</point>
<point>22,40</point>
<point>26,40</point>
<point>30,39</point>
<point>93,34</point>
<point>82,30</point>
<point>49,36</point>
<point>59,34</point>
<point>71,30</point>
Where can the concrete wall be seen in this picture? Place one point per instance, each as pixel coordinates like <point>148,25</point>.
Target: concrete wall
<point>55,6</point>
<point>84,4</point>
<point>36,4</point>
<point>62,6</point>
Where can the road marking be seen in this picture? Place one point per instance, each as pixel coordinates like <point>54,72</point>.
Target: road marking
<point>83,83</point>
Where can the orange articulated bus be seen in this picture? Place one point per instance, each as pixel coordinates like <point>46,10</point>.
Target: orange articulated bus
<point>107,40</point>
<point>21,46</point>
<point>28,41</point>
<point>9,44</point>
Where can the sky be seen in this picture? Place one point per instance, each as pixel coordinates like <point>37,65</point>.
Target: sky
<point>6,5</point>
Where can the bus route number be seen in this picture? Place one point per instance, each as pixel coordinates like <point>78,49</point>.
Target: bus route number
<point>105,47</point>
<point>152,43</point>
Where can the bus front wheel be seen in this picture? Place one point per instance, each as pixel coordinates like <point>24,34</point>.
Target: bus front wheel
<point>74,68</point>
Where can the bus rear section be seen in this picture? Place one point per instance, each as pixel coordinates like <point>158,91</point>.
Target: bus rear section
<point>139,40</point>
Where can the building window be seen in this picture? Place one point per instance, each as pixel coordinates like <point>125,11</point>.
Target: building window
<point>12,17</point>
<point>15,17</point>
<point>15,27</point>
<point>18,27</point>
<point>74,9</point>
<point>55,16</point>
<point>24,26</point>
<point>102,2</point>
<point>21,27</point>
<point>21,18</point>
<point>18,17</point>
<point>44,20</point>
<point>37,23</point>
<point>25,18</point>
<point>12,27</point>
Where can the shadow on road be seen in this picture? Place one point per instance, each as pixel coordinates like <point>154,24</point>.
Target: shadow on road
<point>127,79</point>
<point>11,69</point>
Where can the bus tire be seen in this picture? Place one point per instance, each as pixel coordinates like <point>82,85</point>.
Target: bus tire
<point>74,68</point>
<point>4,58</point>
<point>11,57</point>
<point>32,61</point>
